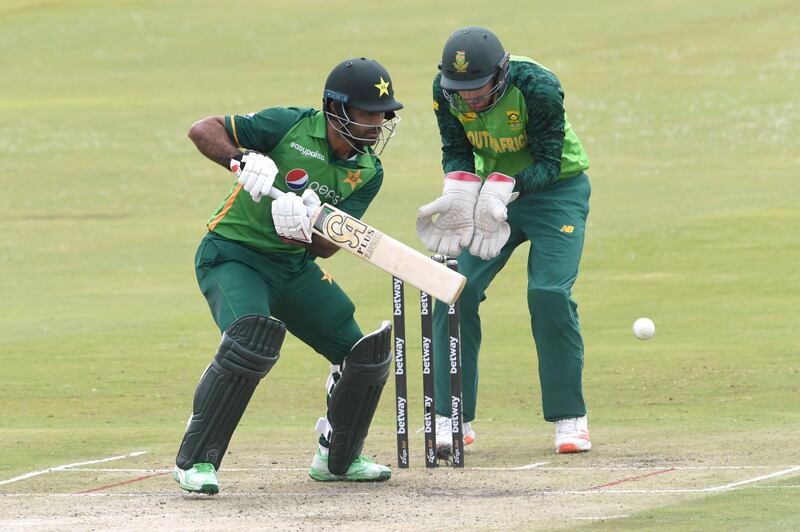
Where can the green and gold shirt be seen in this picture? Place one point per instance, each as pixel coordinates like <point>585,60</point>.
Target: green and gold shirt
<point>296,139</point>
<point>525,135</point>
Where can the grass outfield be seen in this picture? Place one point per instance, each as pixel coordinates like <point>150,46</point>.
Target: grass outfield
<point>689,116</point>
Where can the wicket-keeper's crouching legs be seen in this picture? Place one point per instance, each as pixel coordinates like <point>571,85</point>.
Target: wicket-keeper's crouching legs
<point>560,349</point>
<point>479,274</point>
<point>557,225</point>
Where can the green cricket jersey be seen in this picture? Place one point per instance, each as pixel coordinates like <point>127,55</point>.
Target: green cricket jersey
<point>525,135</point>
<point>296,139</point>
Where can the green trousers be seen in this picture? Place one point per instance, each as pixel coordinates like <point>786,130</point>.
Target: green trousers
<point>237,280</point>
<point>553,221</point>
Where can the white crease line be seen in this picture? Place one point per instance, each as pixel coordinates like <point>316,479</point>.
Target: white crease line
<point>224,470</point>
<point>70,466</point>
<point>520,468</point>
<point>261,494</point>
<point>116,470</point>
<point>664,466</point>
<point>724,487</point>
<point>764,477</point>
<point>181,495</point>
<point>536,465</point>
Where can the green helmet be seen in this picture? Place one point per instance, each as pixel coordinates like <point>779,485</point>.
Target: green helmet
<point>362,83</point>
<point>472,56</point>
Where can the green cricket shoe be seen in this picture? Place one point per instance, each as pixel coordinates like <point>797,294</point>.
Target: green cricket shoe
<point>202,478</point>
<point>361,470</point>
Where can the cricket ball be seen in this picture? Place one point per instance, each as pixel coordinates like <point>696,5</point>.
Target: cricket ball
<point>644,328</point>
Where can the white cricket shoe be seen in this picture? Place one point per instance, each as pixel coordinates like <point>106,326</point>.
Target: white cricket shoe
<point>444,433</point>
<point>572,435</point>
<point>362,469</point>
<point>201,478</point>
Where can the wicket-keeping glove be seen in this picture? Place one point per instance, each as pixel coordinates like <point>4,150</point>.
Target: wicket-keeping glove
<point>491,229</point>
<point>452,229</point>
<point>292,215</point>
<point>256,174</point>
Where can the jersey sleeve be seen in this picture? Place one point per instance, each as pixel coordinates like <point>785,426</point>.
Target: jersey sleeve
<point>456,149</point>
<point>544,99</point>
<point>356,203</point>
<point>262,131</point>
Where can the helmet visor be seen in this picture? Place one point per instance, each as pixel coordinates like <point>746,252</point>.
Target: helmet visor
<point>449,84</point>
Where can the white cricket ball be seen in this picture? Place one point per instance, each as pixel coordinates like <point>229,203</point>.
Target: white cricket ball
<point>644,328</point>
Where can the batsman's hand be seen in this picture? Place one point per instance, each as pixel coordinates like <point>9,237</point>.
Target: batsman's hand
<point>491,229</point>
<point>256,174</point>
<point>292,215</point>
<point>452,229</point>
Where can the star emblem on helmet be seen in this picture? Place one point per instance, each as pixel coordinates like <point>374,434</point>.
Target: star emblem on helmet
<point>383,87</point>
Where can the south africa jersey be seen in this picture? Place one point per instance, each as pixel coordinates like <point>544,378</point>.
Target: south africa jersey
<point>526,125</point>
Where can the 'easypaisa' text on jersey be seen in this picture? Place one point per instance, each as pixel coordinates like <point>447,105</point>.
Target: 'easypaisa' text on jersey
<point>296,140</point>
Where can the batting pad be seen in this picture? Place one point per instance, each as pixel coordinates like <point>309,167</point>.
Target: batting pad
<point>355,397</point>
<point>248,350</point>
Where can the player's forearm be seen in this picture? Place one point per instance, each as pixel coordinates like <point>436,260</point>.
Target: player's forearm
<point>456,149</point>
<point>321,248</point>
<point>538,175</point>
<point>211,139</point>
<point>455,160</point>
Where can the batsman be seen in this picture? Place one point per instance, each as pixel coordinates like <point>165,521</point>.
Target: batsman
<point>257,268</point>
<point>514,173</point>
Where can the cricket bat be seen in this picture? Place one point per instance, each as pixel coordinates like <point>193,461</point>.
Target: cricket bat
<point>384,252</point>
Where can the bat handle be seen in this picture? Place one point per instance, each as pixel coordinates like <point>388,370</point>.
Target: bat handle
<point>313,212</point>
<point>236,166</point>
<point>274,193</point>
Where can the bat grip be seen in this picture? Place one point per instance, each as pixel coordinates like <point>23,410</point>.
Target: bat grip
<point>237,165</point>
<point>274,193</point>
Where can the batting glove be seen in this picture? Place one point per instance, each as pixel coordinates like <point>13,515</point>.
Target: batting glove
<point>256,174</point>
<point>293,214</point>
<point>491,229</point>
<point>452,229</point>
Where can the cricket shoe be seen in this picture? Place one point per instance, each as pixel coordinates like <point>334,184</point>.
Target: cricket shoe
<point>572,435</point>
<point>444,433</point>
<point>199,479</point>
<point>361,470</point>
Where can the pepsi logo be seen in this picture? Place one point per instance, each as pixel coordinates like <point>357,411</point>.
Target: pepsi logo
<point>296,179</point>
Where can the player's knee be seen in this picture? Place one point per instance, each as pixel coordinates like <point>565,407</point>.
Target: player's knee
<point>472,294</point>
<point>550,304</point>
<point>251,346</point>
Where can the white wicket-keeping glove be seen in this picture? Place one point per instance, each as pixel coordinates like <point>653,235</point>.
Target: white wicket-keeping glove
<point>452,228</point>
<point>292,214</point>
<point>256,174</point>
<point>491,229</point>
